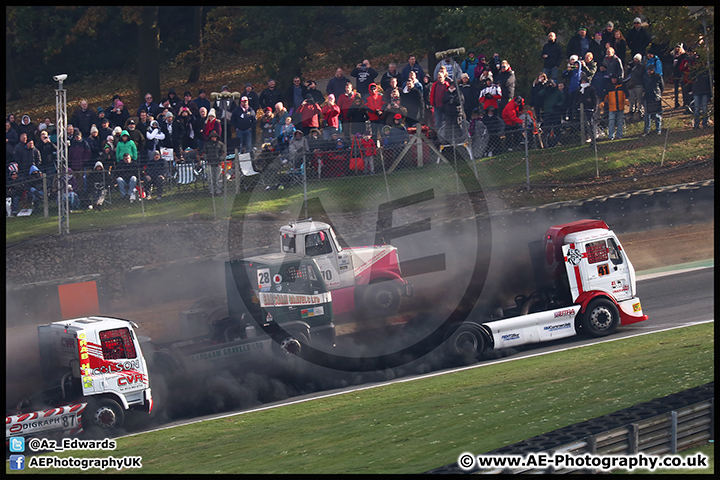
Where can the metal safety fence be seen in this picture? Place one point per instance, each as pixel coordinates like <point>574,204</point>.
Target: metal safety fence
<point>661,426</point>
<point>349,173</point>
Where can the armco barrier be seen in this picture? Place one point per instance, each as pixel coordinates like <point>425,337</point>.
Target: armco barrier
<point>666,425</point>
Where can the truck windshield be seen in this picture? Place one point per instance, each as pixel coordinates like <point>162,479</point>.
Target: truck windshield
<point>317,243</point>
<point>614,252</point>
<point>335,240</point>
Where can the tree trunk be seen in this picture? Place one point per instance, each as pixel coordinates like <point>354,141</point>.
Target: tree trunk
<point>149,54</point>
<point>10,74</point>
<point>197,60</point>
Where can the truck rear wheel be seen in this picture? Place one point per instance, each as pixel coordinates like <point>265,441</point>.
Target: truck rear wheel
<point>103,415</point>
<point>601,318</point>
<point>465,344</point>
<point>382,298</point>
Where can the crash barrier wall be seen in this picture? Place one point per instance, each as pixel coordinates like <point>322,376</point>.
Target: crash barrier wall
<point>152,263</point>
<point>56,299</point>
<point>661,426</point>
<point>422,158</point>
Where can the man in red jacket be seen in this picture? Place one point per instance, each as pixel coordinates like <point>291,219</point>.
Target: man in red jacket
<point>513,123</point>
<point>310,114</point>
<point>437,91</point>
<point>374,105</point>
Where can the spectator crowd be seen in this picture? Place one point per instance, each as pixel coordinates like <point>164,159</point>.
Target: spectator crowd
<point>606,78</point>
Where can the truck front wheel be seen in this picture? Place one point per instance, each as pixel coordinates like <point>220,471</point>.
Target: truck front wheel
<point>382,298</point>
<point>601,318</point>
<point>103,415</point>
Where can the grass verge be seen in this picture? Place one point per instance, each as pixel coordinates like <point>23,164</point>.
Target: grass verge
<point>412,427</point>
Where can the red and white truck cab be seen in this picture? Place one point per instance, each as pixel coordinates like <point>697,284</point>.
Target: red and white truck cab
<point>94,371</point>
<point>595,266</point>
<point>368,277</point>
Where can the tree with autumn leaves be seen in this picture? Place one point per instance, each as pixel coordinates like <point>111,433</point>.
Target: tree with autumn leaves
<point>85,41</point>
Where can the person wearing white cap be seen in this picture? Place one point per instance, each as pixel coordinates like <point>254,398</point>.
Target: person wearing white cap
<point>212,124</point>
<point>154,138</point>
<point>678,56</point>
<point>638,38</point>
<point>174,132</point>
<point>634,84</point>
<point>244,120</point>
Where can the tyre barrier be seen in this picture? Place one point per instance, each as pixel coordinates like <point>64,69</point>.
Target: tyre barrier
<point>633,211</point>
<point>610,433</point>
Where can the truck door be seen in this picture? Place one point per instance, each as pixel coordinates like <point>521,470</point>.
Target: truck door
<point>609,272</point>
<point>335,267</point>
<point>121,366</point>
<point>597,265</point>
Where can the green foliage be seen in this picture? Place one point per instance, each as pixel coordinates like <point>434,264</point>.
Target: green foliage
<point>75,39</point>
<point>673,24</point>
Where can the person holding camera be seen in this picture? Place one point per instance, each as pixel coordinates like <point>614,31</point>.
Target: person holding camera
<point>310,113</point>
<point>375,106</point>
<point>311,89</point>
<point>331,117</point>
<point>365,76</point>
<point>504,76</point>
<point>536,101</point>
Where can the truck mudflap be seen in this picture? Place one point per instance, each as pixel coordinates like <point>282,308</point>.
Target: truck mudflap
<point>631,311</point>
<point>65,419</point>
<point>408,289</point>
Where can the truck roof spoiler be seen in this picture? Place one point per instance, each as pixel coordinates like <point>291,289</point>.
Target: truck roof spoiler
<point>293,222</point>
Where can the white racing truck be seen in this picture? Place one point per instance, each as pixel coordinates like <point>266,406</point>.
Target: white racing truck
<point>366,278</point>
<point>94,371</point>
<point>586,284</point>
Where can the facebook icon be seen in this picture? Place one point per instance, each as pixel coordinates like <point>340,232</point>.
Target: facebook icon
<point>17,462</point>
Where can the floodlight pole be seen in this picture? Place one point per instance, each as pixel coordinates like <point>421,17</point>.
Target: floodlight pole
<point>62,156</point>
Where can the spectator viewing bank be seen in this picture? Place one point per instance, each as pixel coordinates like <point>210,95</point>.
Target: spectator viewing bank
<point>600,82</point>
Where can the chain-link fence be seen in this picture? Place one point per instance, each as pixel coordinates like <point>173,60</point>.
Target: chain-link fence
<point>356,171</point>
